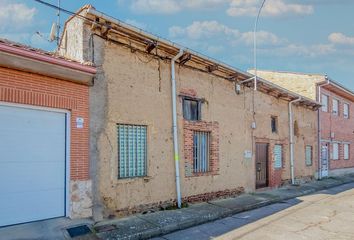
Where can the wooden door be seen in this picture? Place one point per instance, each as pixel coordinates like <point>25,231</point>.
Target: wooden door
<point>262,165</point>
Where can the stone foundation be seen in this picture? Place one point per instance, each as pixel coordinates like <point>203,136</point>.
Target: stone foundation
<point>81,199</point>
<point>170,204</point>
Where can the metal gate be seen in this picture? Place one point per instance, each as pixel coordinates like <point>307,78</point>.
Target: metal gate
<point>261,165</point>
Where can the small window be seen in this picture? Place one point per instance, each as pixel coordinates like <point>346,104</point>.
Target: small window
<point>191,109</point>
<point>324,102</point>
<point>346,151</point>
<point>132,151</point>
<point>201,151</point>
<point>335,104</point>
<point>335,153</point>
<point>274,124</point>
<point>346,110</point>
<point>308,153</point>
<point>278,156</point>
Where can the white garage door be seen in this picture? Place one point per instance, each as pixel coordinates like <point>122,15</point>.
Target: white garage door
<point>32,164</point>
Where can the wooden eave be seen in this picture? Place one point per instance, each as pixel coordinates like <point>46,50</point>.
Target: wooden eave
<point>139,40</point>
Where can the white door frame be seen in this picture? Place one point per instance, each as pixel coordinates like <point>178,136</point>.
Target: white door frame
<point>67,202</point>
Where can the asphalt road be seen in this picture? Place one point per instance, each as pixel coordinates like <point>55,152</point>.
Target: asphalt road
<point>328,214</point>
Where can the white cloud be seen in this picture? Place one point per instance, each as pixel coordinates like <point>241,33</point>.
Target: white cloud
<point>215,31</point>
<point>272,8</point>
<point>340,38</point>
<point>136,23</point>
<point>215,49</point>
<point>204,4</point>
<point>173,6</point>
<point>155,6</point>
<point>14,16</point>
<point>263,38</point>
<point>298,50</point>
<point>204,29</point>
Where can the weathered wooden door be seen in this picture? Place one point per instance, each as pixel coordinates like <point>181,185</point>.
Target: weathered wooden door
<point>261,165</point>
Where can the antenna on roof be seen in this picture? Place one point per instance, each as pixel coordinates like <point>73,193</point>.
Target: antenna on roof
<point>55,30</point>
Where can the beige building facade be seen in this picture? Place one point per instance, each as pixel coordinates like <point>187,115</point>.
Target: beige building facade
<point>231,138</point>
<point>335,117</point>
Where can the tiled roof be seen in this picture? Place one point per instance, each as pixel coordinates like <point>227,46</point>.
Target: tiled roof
<point>39,51</point>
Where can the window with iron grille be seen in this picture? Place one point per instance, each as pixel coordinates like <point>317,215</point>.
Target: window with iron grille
<point>308,153</point>
<point>201,151</point>
<point>191,109</point>
<point>132,151</point>
<point>278,156</point>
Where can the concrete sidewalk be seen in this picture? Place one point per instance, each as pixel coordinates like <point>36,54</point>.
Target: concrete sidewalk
<point>145,226</point>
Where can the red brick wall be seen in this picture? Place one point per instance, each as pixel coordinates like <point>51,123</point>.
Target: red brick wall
<point>275,175</point>
<point>342,128</point>
<point>33,89</point>
<point>213,128</point>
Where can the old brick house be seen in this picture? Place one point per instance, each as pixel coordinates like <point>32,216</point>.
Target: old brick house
<point>44,132</point>
<point>335,118</point>
<point>224,139</point>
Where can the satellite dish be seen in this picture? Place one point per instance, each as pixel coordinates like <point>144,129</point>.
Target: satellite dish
<point>53,33</point>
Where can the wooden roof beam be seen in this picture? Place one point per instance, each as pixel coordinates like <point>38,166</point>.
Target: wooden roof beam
<point>151,45</point>
<point>185,58</point>
<point>212,68</point>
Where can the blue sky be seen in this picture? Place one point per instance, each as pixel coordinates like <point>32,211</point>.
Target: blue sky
<point>312,36</point>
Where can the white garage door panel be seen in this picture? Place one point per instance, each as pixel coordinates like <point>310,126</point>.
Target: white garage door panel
<point>32,164</point>
<point>24,171</point>
<point>19,211</point>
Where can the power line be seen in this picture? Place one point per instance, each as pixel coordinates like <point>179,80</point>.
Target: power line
<point>62,10</point>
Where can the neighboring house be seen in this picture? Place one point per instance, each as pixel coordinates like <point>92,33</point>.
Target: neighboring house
<point>335,116</point>
<point>229,138</point>
<point>44,135</point>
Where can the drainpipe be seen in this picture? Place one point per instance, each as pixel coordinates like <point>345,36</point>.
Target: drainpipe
<point>319,128</point>
<point>174,124</point>
<point>291,132</point>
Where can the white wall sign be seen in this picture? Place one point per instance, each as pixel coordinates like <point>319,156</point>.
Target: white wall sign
<point>248,154</point>
<point>79,122</point>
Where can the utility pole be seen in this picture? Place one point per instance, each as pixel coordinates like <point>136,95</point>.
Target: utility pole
<point>255,45</point>
<point>58,24</point>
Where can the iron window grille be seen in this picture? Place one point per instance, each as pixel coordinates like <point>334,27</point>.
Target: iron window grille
<point>278,156</point>
<point>201,151</point>
<point>308,153</point>
<point>132,151</point>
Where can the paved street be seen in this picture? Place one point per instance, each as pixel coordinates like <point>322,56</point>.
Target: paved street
<point>327,214</point>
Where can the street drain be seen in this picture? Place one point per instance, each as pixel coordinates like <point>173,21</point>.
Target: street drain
<point>78,231</point>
